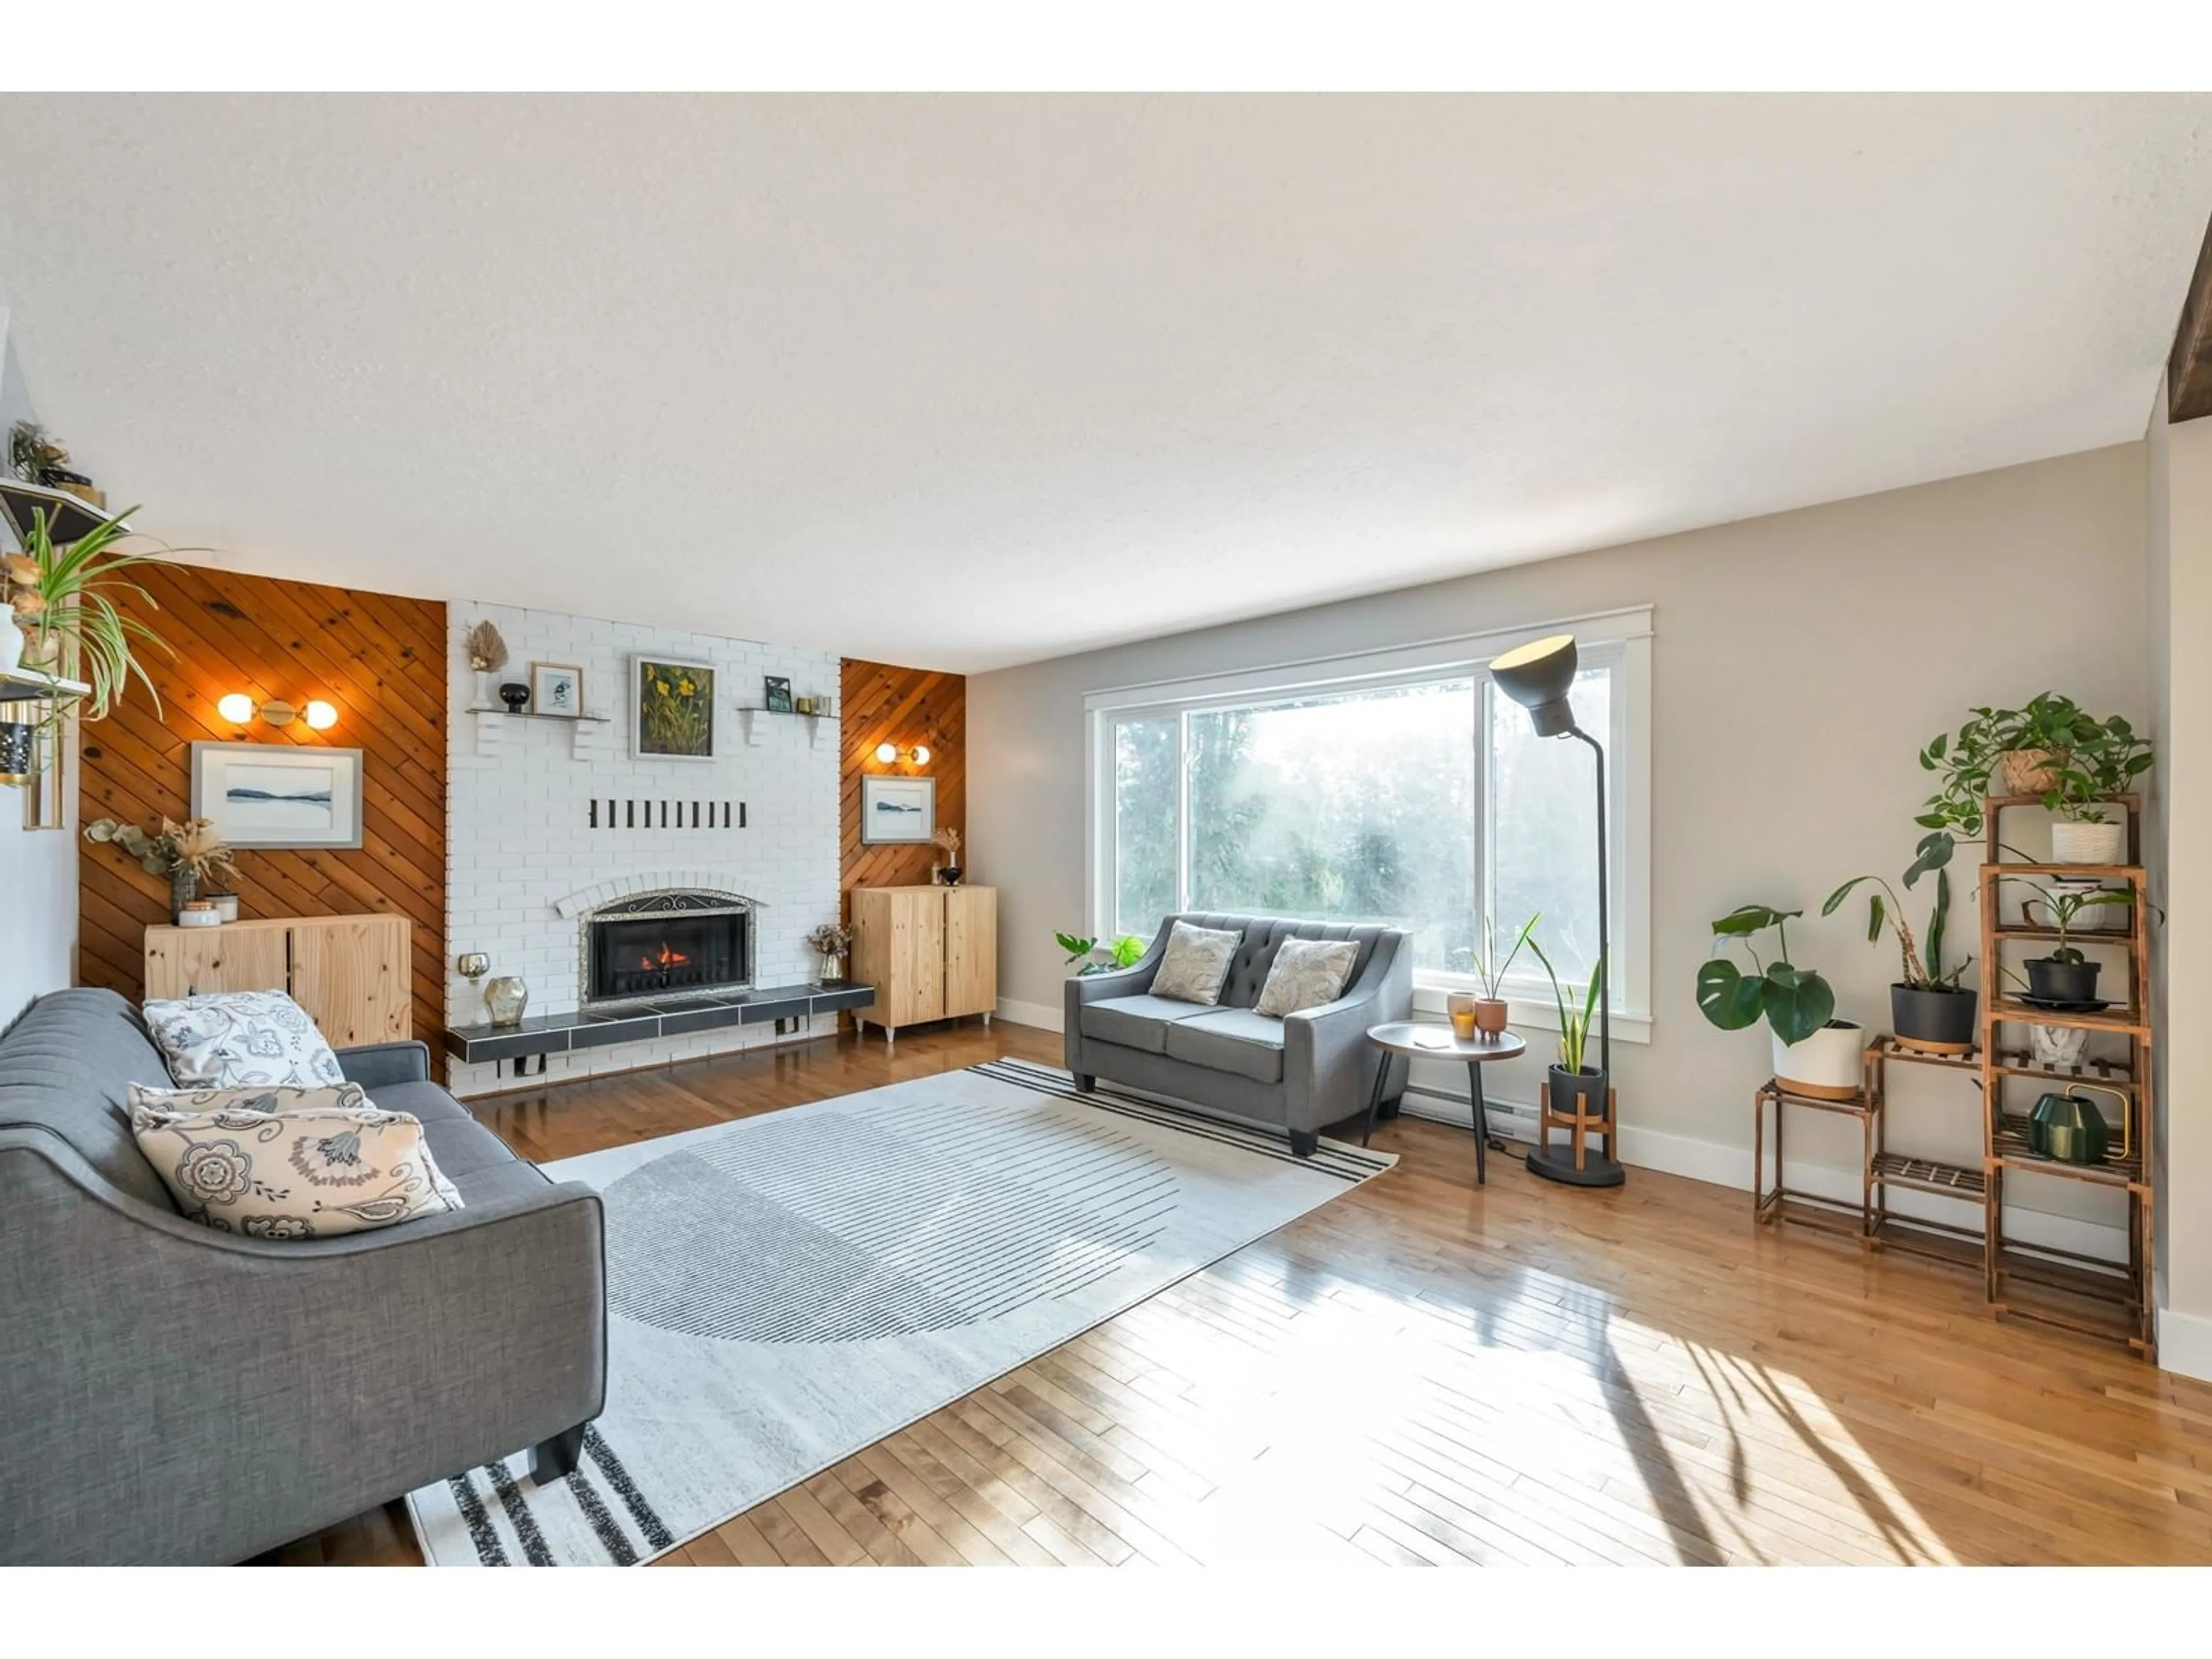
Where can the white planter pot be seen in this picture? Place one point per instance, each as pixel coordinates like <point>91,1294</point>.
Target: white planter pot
<point>1826,1064</point>
<point>11,641</point>
<point>2088,843</point>
<point>2096,918</point>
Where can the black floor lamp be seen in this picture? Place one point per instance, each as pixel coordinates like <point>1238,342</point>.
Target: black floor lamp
<point>1539,677</point>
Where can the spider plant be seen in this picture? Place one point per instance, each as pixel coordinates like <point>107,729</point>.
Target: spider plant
<point>79,588</point>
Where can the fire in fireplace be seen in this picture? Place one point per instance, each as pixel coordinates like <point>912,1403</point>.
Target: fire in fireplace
<point>666,946</point>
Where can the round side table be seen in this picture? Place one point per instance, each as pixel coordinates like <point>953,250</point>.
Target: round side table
<point>1419,1041</point>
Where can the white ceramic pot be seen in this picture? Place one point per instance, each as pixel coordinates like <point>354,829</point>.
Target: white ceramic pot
<point>2096,918</point>
<point>11,641</point>
<point>2055,1046</point>
<point>1826,1064</point>
<point>2088,843</point>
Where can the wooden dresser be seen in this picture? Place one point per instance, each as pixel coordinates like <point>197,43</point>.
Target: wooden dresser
<point>930,952</point>
<point>350,973</point>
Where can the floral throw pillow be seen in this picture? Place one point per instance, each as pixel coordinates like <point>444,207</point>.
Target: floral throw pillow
<point>1195,963</point>
<point>232,1039</point>
<point>289,1163</point>
<point>1306,973</point>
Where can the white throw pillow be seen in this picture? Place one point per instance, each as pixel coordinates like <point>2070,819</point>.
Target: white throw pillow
<point>232,1039</point>
<point>1306,973</point>
<point>1195,964</point>
<point>289,1163</point>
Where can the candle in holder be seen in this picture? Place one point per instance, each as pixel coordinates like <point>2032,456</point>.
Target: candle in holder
<point>1460,1006</point>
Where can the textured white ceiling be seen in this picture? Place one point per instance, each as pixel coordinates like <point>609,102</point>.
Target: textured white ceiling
<point>965,381</point>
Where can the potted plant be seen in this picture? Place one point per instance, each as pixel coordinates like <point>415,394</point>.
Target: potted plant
<point>1490,970</point>
<point>185,852</point>
<point>1577,1089</point>
<point>2066,975</point>
<point>2052,749</point>
<point>1928,1009</point>
<point>71,605</point>
<point>1123,952</point>
<point>830,942</point>
<point>1814,1053</point>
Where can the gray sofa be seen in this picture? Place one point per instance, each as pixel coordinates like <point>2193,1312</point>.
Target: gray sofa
<point>173,1394</point>
<point>1300,1073</point>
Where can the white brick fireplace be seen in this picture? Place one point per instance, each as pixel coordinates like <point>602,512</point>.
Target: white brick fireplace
<point>544,821</point>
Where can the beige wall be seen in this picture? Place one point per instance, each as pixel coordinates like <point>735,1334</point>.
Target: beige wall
<point>1800,662</point>
<point>2179,533</point>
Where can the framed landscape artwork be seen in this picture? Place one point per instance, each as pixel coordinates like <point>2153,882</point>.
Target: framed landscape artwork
<point>896,810</point>
<point>671,710</point>
<point>270,795</point>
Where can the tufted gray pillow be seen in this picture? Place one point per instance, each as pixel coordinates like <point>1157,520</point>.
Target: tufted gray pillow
<point>1306,973</point>
<point>1195,964</point>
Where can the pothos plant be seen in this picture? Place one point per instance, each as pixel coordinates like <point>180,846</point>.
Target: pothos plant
<point>2079,759</point>
<point>1795,1001</point>
<point>1120,953</point>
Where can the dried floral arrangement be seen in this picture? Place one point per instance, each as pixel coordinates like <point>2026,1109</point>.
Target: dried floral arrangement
<point>191,845</point>
<point>829,940</point>
<point>950,841</point>
<point>486,650</point>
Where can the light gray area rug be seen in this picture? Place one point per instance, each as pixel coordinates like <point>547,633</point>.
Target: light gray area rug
<point>787,1290</point>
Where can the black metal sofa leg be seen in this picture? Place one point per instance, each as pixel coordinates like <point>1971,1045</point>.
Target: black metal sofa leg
<point>550,1460</point>
<point>1085,1082</point>
<point>1305,1143</point>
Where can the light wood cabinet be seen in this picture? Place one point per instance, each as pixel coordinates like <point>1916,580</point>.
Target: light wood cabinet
<point>350,973</point>
<point>931,953</point>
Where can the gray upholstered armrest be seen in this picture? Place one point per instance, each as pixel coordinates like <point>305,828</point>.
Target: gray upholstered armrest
<point>378,1063</point>
<point>1327,1059</point>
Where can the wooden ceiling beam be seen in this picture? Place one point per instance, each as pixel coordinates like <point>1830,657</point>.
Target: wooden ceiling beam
<point>2189,369</point>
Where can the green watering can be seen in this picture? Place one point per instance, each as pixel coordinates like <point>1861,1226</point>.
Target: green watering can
<point>2072,1130</point>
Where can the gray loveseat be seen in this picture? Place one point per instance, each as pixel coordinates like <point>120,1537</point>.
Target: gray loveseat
<point>173,1394</point>
<point>1300,1073</point>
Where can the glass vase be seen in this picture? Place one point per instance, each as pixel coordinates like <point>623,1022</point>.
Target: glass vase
<point>830,968</point>
<point>184,888</point>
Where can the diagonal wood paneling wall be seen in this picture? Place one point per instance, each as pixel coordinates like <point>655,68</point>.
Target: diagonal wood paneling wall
<point>381,660</point>
<point>904,705</point>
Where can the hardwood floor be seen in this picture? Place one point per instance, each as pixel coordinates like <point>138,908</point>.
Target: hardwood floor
<point>1425,1370</point>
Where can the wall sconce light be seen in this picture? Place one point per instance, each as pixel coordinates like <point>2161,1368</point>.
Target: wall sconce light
<point>887,754</point>
<point>238,709</point>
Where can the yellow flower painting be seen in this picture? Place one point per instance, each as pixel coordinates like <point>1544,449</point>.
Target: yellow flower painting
<point>674,716</point>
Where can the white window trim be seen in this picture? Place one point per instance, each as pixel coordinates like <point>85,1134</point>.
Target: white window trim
<point>1630,744</point>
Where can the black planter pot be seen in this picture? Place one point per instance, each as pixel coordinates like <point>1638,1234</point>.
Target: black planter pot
<point>1942,1022</point>
<point>1583,1093</point>
<point>951,874</point>
<point>514,694</point>
<point>2062,981</point>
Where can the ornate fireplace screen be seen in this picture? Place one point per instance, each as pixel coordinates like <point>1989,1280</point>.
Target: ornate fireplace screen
<point>666,946</point>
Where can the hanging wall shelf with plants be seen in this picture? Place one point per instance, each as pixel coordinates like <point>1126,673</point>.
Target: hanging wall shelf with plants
<point>2052,748</point>
<point>70,609</point>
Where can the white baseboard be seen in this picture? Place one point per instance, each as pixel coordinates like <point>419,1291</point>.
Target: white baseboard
<point>2184,1343</point>
<point>1041,1016</point>
<point>1730,1166</point>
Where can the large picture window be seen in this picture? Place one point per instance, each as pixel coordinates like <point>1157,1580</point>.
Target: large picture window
<point>1416,797</point>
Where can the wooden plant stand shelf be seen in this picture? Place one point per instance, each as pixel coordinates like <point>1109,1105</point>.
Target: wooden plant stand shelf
<point>2087,1294</point>
<point>1781,1202</point>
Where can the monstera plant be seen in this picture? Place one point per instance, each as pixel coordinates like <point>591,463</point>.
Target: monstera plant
<point>1814,1053</point>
